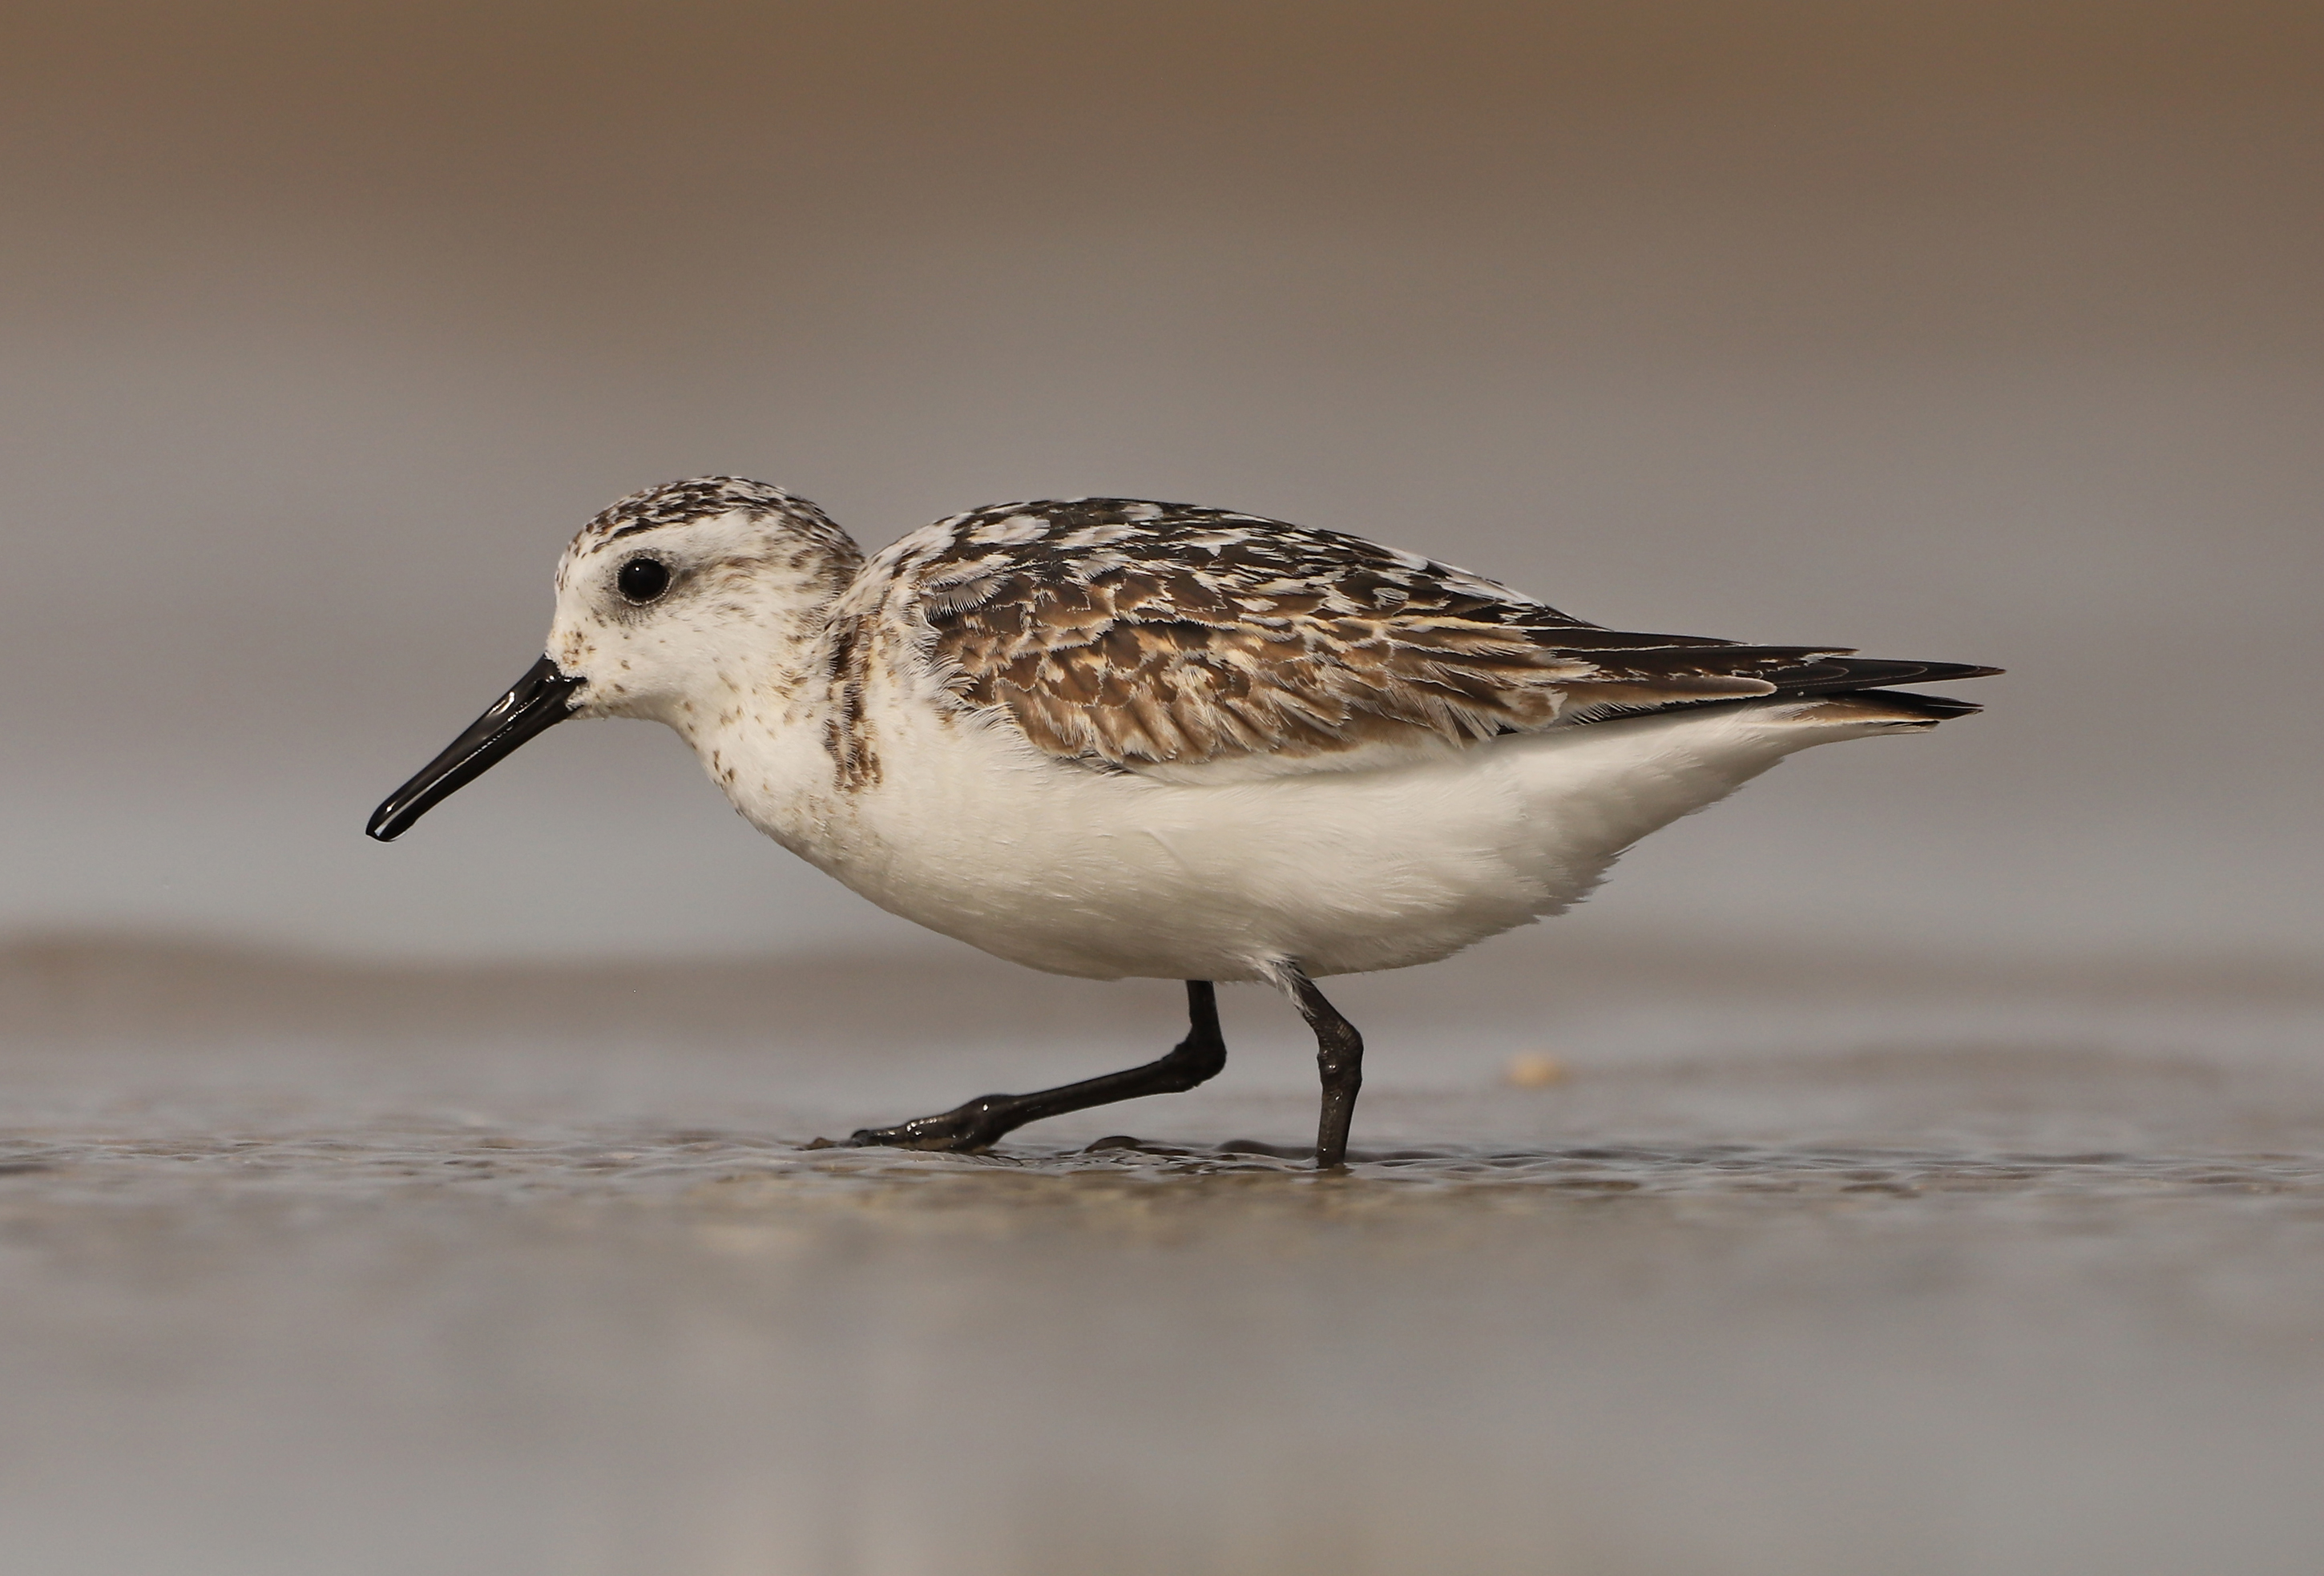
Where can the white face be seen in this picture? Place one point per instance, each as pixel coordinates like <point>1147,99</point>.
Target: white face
<point>668,623</point>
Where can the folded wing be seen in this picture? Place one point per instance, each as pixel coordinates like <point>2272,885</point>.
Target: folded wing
<point>1128,634</point>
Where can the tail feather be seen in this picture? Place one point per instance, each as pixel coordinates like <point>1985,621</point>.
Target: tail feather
<point>1902,707</point>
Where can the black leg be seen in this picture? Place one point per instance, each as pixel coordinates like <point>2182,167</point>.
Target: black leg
<point>979,1123</point>
<point>1339,1058</point>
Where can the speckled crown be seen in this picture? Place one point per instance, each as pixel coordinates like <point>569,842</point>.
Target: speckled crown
<point>700,498</point>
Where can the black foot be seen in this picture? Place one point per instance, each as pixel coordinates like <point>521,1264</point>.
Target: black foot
<point>983,1121</point>
<point>978,1125</point>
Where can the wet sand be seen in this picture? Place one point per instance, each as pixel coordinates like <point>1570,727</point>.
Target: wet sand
<point>387,1300</point>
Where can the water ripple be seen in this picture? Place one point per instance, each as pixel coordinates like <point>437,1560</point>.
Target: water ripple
<point>597,1162</point>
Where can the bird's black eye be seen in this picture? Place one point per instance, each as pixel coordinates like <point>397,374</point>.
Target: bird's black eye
<point>644,579</point>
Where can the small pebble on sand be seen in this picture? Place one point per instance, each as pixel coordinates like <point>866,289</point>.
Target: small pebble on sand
<point>1534,1070</point>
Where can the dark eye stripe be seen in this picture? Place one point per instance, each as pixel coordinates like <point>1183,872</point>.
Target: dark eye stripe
<point>641,580</point>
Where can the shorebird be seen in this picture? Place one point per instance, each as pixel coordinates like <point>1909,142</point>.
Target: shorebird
<point>1112,738</point>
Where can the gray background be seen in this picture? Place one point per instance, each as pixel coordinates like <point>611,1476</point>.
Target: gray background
<point>1979,332</point>
<point>1936,1185</point>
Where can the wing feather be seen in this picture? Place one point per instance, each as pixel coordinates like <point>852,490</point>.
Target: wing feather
<point>1125,633</point>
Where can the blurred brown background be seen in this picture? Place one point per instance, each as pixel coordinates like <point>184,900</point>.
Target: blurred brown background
<point>1987,332</point>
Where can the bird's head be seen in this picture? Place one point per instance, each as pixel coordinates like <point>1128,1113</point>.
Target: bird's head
<point>681,598</point>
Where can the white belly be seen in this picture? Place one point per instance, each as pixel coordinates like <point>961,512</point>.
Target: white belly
<point>974,833</point>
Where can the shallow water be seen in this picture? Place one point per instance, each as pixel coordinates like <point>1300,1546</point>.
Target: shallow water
<point>473,1161</point>
<point>291,1307</point>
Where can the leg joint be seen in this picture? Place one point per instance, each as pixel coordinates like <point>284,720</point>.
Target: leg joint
<point>1340,1061</point>
<point>1197,1059</point>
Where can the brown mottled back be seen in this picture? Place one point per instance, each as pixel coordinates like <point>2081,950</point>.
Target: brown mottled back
<point>1119,632</point>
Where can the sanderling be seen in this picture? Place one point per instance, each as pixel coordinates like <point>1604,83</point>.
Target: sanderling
<point>1112,738</point>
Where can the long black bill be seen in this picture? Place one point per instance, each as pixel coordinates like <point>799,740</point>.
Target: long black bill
<point>539,701</point>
